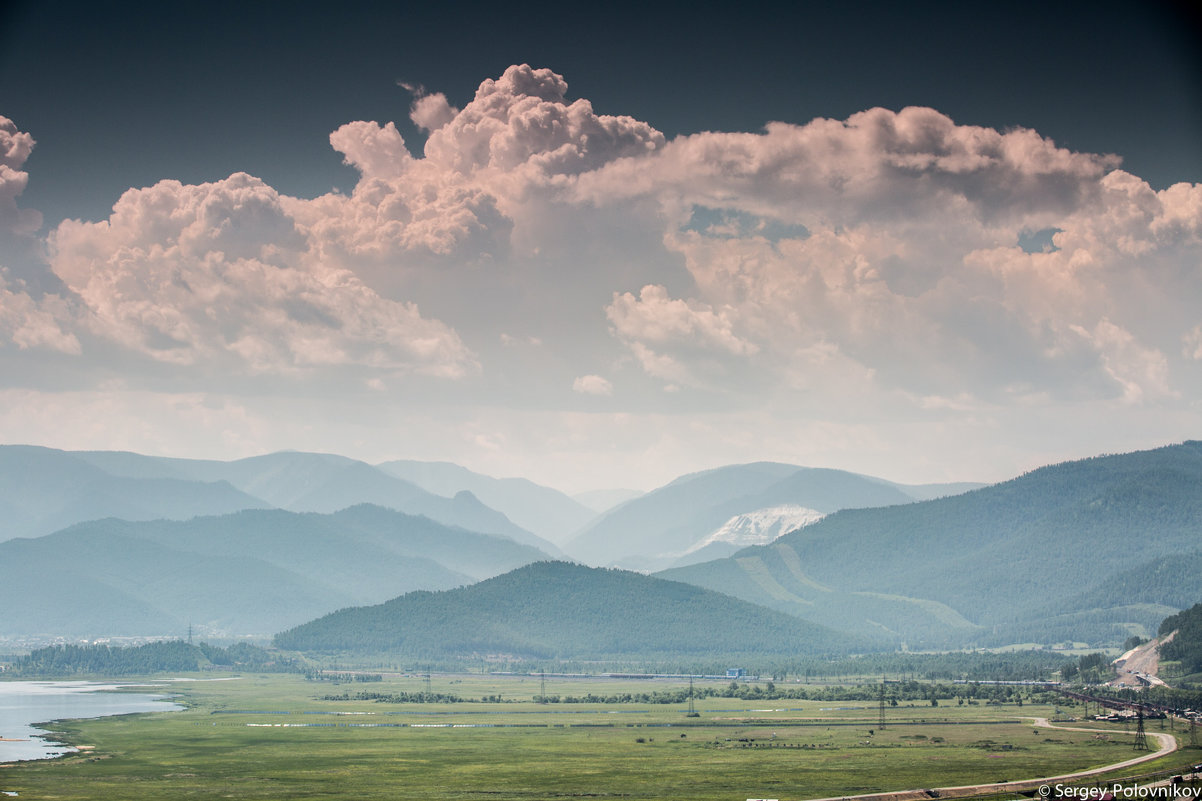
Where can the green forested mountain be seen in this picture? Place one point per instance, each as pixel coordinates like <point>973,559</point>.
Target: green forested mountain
<point>563,610</point>
<point>252,572</point>
<point>1044,557</point>
<point>1186,646</point>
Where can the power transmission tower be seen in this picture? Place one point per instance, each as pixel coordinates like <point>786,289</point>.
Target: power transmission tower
<point>692,713</point>
<point>1193,734</point>
<point>881,723</point>
<point>542,687</point>
<point>1141,739</point>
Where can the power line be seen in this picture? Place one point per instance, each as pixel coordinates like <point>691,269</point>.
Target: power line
<point>881,724</point>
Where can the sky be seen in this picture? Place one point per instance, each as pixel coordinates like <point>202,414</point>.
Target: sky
<point>603,245</point>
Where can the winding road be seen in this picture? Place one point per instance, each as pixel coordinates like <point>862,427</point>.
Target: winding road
<point>1167,745</point>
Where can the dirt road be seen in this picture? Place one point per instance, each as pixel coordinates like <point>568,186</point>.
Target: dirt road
<point>1167,745</point>
<point>1142,661</point>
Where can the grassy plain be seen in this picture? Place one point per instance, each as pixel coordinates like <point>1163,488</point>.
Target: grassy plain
<point>273,737</point>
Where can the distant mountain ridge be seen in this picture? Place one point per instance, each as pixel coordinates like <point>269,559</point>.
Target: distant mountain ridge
<point>1049,556</point>
<point>253,572</point>
<point>559,610</point>
<point>656,529</point>
<point>43,490</point>
<point>546,512</point>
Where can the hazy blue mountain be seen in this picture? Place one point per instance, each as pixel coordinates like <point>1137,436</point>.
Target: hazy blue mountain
<point>282,479</point>
<point>251,572</point>
<point>135,465</point>
<point>604,500</point>
<point>563,610</point>
<point>43,490</point>
<point>547,512</point>
<point>318,482</point>
<point>929,492</point>
<point>655,530</point>
<point>1039,558</point>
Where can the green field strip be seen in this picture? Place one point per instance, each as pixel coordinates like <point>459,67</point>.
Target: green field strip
<point>793,561</point>
<point>940,611</point>
<point>757,571</point>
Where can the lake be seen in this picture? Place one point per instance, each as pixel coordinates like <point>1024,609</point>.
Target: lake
<point>24,703</point>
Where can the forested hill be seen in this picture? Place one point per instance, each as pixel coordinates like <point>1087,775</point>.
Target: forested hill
<point>563,610</point>
<point>1186,647</point>
<point>1040,558</point>
<point>154,657</point>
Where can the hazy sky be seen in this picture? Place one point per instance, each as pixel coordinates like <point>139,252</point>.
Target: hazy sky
<point>603,245</point>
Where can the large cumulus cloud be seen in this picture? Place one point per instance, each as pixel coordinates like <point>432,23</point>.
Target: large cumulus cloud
<point>220,274</point>
<point>518,136</point>
<point>899,239</point>
<point>30,318</point>
<point>15,147</point>
<point>831,273</point>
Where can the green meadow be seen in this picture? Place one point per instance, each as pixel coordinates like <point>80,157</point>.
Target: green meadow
<point>277,737</point>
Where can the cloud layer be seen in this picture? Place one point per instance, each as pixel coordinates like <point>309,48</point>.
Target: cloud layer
<point>894,265</point>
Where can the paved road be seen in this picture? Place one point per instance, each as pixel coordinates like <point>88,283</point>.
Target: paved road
<point>1167,745</point>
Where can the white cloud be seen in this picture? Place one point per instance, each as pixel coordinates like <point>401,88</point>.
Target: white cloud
<point>858,282</point>
<point>30,317</point>
<point>429,111</point>
<point>1141,372</point>
<point>15,147</point>
<point>220,275</point>
<point>895,238</point>
<point>654,317</point>
<point>1192,343</point>
<point>660,330</point>
<point>36,324</point>
<point>592,385</point>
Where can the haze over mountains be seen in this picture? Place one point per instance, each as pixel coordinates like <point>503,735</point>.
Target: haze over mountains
<point>1089,551</point>
<point>547,512</point>
<point>253,572</point>
<point>656,530</point>
<point>48,489</point>
<point>1093,550</point>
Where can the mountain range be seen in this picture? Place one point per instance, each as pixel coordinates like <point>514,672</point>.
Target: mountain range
<point>43,490</point>
<point>1064,553</point>
<point>252,572</point>
<point>657,530</point>
<point>1091,551</point>
<point>546,512</point>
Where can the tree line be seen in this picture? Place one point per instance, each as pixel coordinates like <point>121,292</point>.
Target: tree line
<point>895,694</point>
<point>154,657</point>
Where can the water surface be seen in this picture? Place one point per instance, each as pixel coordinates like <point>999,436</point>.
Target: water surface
<point>24,703</point>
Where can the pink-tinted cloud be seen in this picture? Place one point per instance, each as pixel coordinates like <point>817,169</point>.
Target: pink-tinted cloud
<point>878,267</point>
<point>593,385</point>
<point>15,147</point>
<point>220,274</point>
<point>896,238</point>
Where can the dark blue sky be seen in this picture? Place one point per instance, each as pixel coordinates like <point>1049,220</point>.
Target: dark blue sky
<point>125,94</point>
